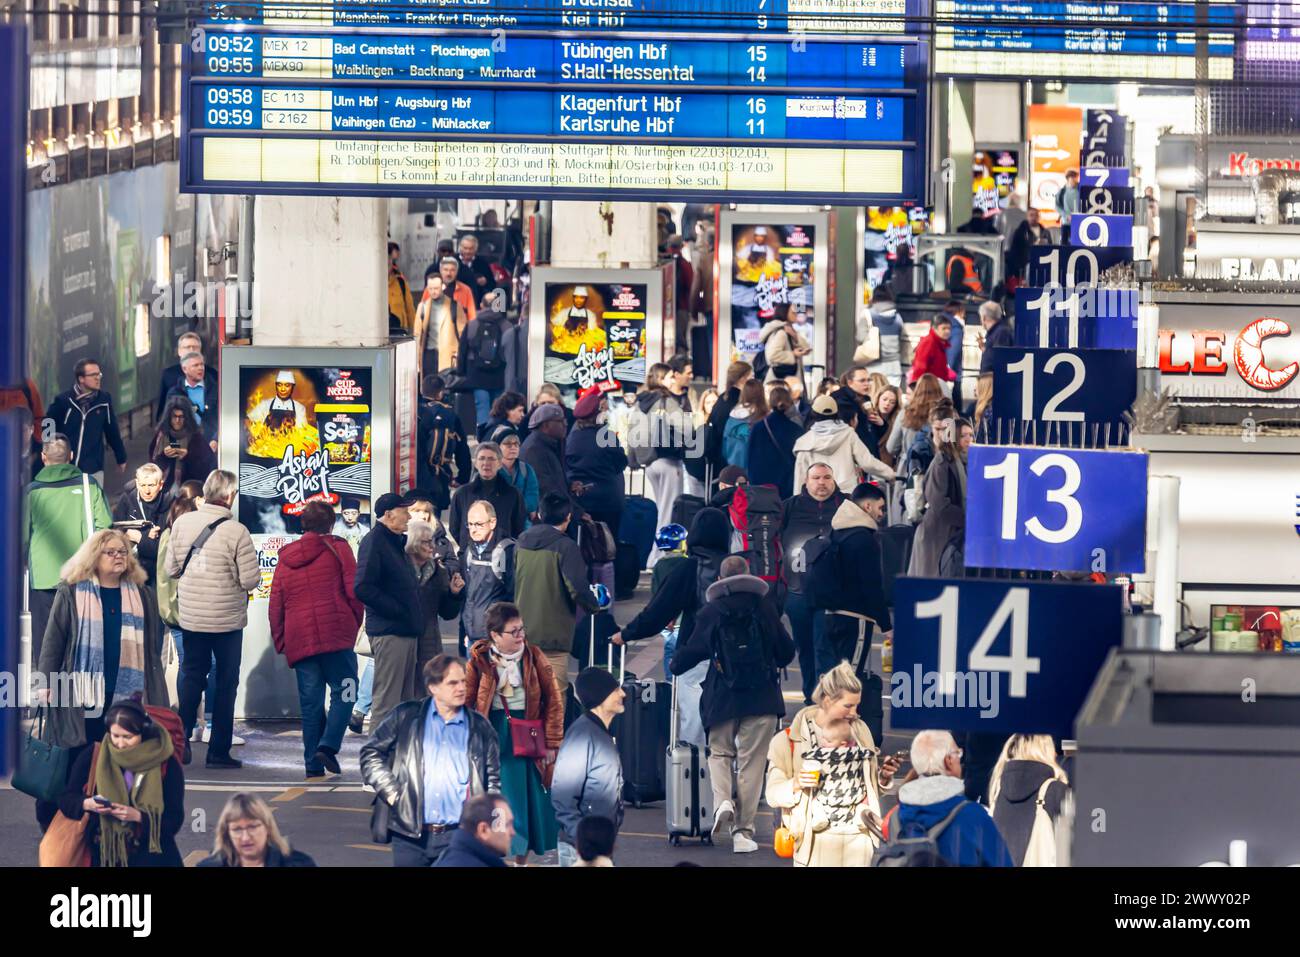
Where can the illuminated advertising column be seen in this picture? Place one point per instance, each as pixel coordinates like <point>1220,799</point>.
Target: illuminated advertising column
<point>771,265</point>
<point>597,328</point>
<point>300,425</point>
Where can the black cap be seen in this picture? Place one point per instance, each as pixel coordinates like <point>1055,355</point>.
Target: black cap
<point>387,501</point>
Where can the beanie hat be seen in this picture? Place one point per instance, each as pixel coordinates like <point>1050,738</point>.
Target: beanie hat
<point>594,685</point>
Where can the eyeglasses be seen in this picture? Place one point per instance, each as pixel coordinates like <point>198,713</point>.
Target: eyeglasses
<point>92,375</point>
<point>521,630</point>
<point>248,831</point>
<point>480,524</point>
<point>116,552</point>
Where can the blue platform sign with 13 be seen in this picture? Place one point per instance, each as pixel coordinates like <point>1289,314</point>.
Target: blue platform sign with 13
<point>951,670</point>
<point>1056,509</point>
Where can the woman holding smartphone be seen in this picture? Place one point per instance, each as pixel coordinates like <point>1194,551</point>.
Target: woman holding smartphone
<point>810,758</point>
<point>179,447</point>
<point>132,785</point>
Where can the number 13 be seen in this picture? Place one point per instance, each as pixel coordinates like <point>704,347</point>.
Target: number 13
<point>1009,470</point>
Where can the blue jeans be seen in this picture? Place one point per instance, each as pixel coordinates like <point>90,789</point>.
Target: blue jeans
<point>366,693</point>
<point>320,731</point>
<point>806,625</point>
<point>670,648</point>
<point>209,693</point>
<point>483,399</point>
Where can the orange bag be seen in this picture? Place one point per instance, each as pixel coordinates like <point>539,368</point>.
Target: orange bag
<point>783,840</point>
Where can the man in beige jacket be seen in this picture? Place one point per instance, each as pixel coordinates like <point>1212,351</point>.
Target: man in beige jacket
<point>213,560</point>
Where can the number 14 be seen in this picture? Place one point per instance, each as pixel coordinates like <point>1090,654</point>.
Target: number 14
<point>1018,664</point>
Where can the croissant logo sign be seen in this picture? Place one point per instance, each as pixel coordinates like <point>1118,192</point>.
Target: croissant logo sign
<point>1210,354</point>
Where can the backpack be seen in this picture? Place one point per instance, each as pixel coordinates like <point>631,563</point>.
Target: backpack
<point>442,444</point>
<point>735,442</point>
<point>755,512</point>
<point>760,363</point>
<point>706,573</point>
<point>485,347</point>
<point>821,574</point>
<point>169,721</point>
<point>740,652</point>
<point>1041,850</point>
<point>915,849</point>
<point>640,450</point>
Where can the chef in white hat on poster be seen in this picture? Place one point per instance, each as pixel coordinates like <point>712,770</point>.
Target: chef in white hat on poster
<point>282,410</point>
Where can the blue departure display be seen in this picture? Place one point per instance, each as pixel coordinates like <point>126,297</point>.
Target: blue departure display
<point>753,63</point>
<point>526,113</point>
<point>747,16</point>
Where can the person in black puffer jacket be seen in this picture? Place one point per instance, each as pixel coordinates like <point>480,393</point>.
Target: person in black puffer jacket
<point>1027,763</point>
<point>387,586</point>
<point>544,451</point>
<point>596,469</point>
<point>683,591</point>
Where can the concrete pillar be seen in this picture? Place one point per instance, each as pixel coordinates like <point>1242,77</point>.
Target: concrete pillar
<point>320,271</point>
<point>604,235</point>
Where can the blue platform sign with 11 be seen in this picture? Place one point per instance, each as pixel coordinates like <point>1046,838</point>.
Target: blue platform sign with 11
<point>1056,509</point>
<point>950,668</point>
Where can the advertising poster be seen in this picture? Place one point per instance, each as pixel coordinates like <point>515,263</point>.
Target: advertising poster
<point>595,336</point>
<point>305,436</point>
<point>889,229</point>
<point>993,180</point>
<point>772,270</point>
<point>1055,133</point>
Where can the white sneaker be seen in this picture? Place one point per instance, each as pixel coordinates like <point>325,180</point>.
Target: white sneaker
<point>742,844</point>
<point>198,734</point>
<point>235,740</point>
<point>722,819</point>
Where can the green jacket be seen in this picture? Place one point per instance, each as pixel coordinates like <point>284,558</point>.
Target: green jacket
<point>56,520</point>
<point>550,583</point>
<point>169,608</point>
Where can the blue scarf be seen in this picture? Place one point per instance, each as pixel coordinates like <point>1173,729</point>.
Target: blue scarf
<point>88,677</point>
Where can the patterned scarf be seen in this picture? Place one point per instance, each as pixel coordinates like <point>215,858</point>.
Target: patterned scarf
<point>88,675</point>
<point>508,674</point>
<point>145,793</point>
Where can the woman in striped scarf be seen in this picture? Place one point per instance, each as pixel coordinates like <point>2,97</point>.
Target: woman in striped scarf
<point>104,641</point>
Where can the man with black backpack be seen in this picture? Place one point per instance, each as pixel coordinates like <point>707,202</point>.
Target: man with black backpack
<point>739,631</point>
<point>845,581</point>
<point>934,818</point>
<point>481,360</point>
<point>440,444</point>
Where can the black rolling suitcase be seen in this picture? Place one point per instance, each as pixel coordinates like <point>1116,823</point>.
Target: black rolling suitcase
<point>641,733</point>
<point>627,570</point>
<point>896,553</point>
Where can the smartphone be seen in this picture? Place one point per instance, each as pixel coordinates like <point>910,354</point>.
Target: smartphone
<point>173,445</point>
<point>102,801</point>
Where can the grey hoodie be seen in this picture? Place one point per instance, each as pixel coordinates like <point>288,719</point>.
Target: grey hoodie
<point>835,443</point>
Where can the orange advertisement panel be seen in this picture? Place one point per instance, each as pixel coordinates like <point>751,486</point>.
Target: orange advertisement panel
<point>1055,133</point>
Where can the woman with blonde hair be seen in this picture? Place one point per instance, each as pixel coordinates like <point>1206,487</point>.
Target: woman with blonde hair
<point>983,404</point>
<point>808,758</point>
<point>105,633</point>
<point>247,836</point>
<point>1026,777</point>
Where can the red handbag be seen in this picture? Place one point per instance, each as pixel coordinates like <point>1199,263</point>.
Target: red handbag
<point>527,738</point>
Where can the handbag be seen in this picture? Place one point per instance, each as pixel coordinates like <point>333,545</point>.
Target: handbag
<point>869,349</point>
<point>42,767</point>
<point>783,839</point>
<point>362,646</point>
<point>527,738</point>
<point>64,843</point>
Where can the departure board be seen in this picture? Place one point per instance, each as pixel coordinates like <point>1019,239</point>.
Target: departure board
<point>300,104</point>
<point>1112,40</point>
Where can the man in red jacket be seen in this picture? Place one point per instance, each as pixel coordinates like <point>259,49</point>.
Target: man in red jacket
<point>315,615</point>
<point>931,353</point>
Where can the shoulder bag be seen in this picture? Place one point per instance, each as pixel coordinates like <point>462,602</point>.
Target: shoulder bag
<point>42,767</point>
<point>64,843</point>
<point>527,737</point>
<point>199,542</point>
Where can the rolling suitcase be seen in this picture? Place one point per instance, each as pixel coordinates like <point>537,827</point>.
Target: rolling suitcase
<point>685,509</point>
<point>896,553</point>
<point>641,733</point>
<point>639,524</point>
<point>689,797</point>
<point>627,571</point>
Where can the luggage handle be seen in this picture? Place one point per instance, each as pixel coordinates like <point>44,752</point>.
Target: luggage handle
<point>674,723</point>
<point>622,657</point>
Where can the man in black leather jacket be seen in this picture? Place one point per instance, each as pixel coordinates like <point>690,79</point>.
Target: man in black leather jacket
<point>420,796</point>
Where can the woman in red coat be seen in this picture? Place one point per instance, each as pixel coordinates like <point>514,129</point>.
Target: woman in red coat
<point>314,620</point>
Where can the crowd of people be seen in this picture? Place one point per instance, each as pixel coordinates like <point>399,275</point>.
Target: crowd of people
<point>452,634</point>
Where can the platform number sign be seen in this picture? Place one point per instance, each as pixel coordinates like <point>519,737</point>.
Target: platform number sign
<point>1056,509</point>
<point>1099,229</point>
<point>1004,656</point>
<point>1055,385</point>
